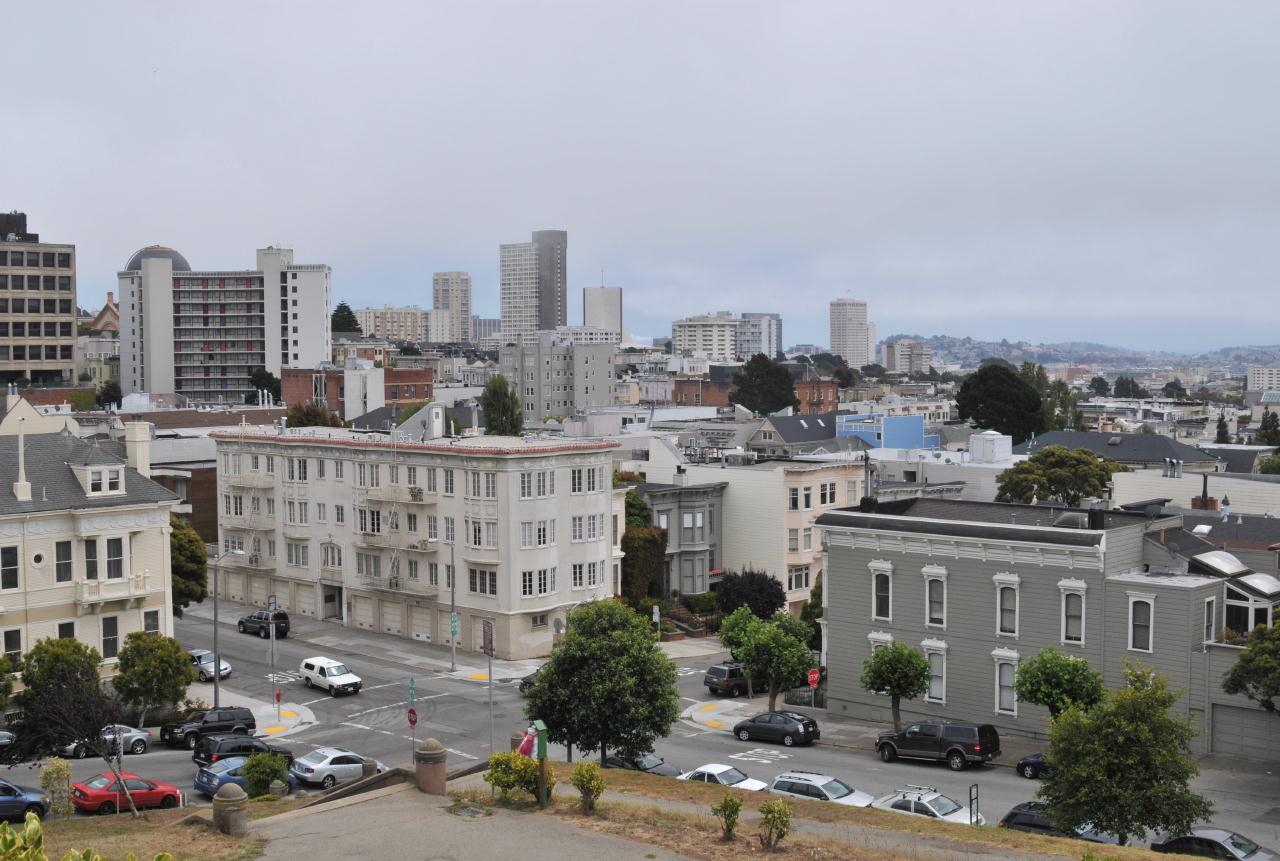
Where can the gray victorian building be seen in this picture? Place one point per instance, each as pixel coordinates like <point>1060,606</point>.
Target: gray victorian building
<point>691,514</point>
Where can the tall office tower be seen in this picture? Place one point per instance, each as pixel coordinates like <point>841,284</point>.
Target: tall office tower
<point>202,334</point>
<point>38,297</point>
<point>451,291</point>
<point>760,333</point>
<point>391,323</point>
<point>852,337</point>
<point>485,327</point>
<point>907,356</point>
<point>532,283</point>
<point>602,308</point>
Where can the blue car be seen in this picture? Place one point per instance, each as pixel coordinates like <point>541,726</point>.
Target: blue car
<point>210,778</point>
<point>17,801</point>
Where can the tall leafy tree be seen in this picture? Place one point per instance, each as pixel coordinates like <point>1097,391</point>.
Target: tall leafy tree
<point>1223,433</point>
<point>607,685</point>
<point>261,378</point>
<point>898,671</point>
<point>503,415</point>
<point>153,671</point>
<point>1268,429</point>
<point>644,551</point>
<point>344,319</point>
<point>638,512</point>
<point>774,651</point>
<point>997,398</point>
<point>1056,474</point>
<point>873,371</point>
<point>1057,682</point>
<point>109,394</point>
<point>1256,672</point>
<point>1174,389</point>
<point>1034,375</point>
<point>1127,387</point>
<point>1100,387</point>
<point>312,416</point>
<point>188,561</point>
<point>1269,465</point>
<point>1125,766</point>
<point>811,612</point>
<point>757,590</point>
<point>764,386</point>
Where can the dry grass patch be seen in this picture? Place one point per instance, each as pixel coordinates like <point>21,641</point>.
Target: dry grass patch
<point>114,837</point>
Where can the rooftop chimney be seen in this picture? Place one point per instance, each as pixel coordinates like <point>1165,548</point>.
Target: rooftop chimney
<point>137,446</point>
<point>22,487</point>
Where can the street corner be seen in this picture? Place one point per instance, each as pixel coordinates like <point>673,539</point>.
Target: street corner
<point>290,718</point>
<point>715,715</point>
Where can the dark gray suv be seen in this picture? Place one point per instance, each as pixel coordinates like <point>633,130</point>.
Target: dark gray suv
<point>727,678</point>
<point>195,726</point>
<point>960,744</point>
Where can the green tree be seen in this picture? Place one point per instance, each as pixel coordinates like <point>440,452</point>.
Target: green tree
<point>811,612</point>
<point>1174,389</point>
<point>84,400</point>
<point>344,319</point>
<point>1125,765</point>
<point>503,415</point>
<point>7,669</point>
<point>1256,672</point>
<point>1056,474</point>
<point>873,371</point>
<point>757,590</point>
<point>1058,407</point>
<point>995,397</point>
<point>607,685</point>
<point>61,665</point>
<point>262,768</point>
<point>153,671</point>
<point>261,378</point>
<point>774,651</point>
<point>109,394</point>
<point>410,350</point>
<point>188,565</point>
<point>1100,387</point>
<point>1268,429</point>
<point>1223,434</point>
<point>638,512</point>
<point>764,386</point>
<point>644,551</point>
<point>311,416</point>
<point>1269,465</point>
<point>899,671</point>
<point>1057,682</point>
<point>1034,376</point>
<point>1127,387</point>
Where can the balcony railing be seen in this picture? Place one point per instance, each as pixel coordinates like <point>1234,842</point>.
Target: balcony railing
<point>91,595</point>
<point>401,493</point>
<point>250,479</point>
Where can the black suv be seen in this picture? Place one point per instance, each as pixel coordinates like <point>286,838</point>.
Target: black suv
<point>260,623</point>
<point>195,726</point>
<point>1030,816</point>
<point>215,747</point>
<point>958,743</point>
<point>727,678</point>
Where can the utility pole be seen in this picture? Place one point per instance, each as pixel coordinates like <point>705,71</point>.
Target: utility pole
<point>217,655</point>
<point>453,606</point>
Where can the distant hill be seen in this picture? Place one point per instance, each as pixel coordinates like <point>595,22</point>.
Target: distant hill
<point>968,352</point>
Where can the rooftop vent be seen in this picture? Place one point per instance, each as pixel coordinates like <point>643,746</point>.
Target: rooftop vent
<point>1072,520</point>
<point>1115,440</point>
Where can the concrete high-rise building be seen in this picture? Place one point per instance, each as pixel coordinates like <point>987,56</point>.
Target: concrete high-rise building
<point>602,308</point>
<point>38,300</point>
<point>393,324</point>
<point>907,356</point>
<point>710,336</point>
<point>1261,378</point>
<point>532,283</point>
<point>451,292</point>
<point>485,327</point>
<point>853,337</point>
<point>555,376</point>
<point>202,334</point>
<point>760,333</point>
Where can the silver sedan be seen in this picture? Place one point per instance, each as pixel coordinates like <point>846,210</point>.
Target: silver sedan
<point>202,661</point>
<point>135,741</point>
<point>329,766</point>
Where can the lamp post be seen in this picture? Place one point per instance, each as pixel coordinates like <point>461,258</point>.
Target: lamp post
<point>453,608</point>
<point>217,656</point>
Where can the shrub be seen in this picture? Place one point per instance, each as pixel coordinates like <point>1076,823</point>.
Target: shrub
<point>588,779</point>
<point>55,779</point>
<point>262,768</point>
<point>513,770</point>
<point>702,603</point>
<point>727,810</point>
<point>775,816</point>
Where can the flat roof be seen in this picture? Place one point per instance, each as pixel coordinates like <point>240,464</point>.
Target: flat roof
<point>474,445</point>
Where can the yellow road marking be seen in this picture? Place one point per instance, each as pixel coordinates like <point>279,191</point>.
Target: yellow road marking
<point>287,713</point>
<point>714,724</point>
<point>709,707</point>
<point>271,730</point>
<point>480,677</point>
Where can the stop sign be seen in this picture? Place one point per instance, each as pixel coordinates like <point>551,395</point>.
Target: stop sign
<point>413,717</point>
<point>814,678</point>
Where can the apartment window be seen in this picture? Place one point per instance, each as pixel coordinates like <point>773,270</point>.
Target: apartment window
<point>115,558</point>
<point>369,564</point>
<point>271,506</point>
<point>546,581</point>
<point>798,577</point>
<point>62,566</point>
<point>411,521</point>
<point>1073,592</point>
<point>337,470</point>
<point>475,483</point>
<point>594,480</point>
<point>431,479</point>
<point>576,576</point>
<point>393,474</point>
<point>807,544</point>
<point>477,533</point>
<point>540,620</point>
<point>13,647</point>
<point>575,480</point>
<point>331,555</point>
<point>151,621</point>
<point>432,527</point>
<point>411,475</point>
<point>110,636</point>
<point>1007,589</point>
<point>808,498</point>
<point>321,512</point>
<point>271,464</point>
<point>793,499</point>
<point>1141,610</point>
<point>483,581</point>
<point>1245,613</point>
<point>526,485</point>
<point>1210,619</point>
<point>433,573</point>
<point>90,559</point>
<point>95,480</point>
<point>936,652</point>
<point>882,591</point>
<point>66,630</point>
<point>546,533</point>
<point>490,485</point>
<point>827,493</point>
<point>593,573</point>
<point>793,540</point>
<point>296,553</point>
<point>575,528</point>
<point>448,530</point>
<point>526,534</point>
<point>1006,699</point>
<point>413,569</point>
<point>935,586</point>
<point>320,467</point>
<point>339,514</point>
<point>526,583</point>
<point>662,520</point>
<point>362,475</point>
<point>113,479</point>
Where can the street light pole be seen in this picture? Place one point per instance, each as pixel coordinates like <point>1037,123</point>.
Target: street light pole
<point>217,655</point>
<point>454,627</point>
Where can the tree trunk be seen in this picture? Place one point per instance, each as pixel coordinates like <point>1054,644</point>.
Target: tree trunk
<point>142,718</point>
<point>773,694</point>
<point>569,747</point>
<point>602,750</point>
<point>897,715</point>
<point>115,769</point>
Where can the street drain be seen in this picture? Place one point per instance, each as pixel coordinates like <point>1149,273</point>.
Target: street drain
<point>468,811</point>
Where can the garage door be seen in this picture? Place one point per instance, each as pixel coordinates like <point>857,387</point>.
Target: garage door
<point>259,586</point>
<point>392,617</point>
<point>231,585</point>
<point>1242,731</point>
<point>280,588</point>
<point>442,625</point>
<point>364,613</point>
<point>421,622</point>
<point>304,601</point>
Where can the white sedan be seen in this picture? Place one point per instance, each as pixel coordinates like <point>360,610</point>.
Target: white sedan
<point>725,775</point>
<point>329,766</point>
<point>926,801</point>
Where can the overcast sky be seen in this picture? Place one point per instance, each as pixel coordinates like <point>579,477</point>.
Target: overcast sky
<point>1045,171</point>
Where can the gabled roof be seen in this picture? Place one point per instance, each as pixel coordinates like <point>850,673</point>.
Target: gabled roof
<point>1123,447</point>
<point>54,486</point>
<point>814,428</point>
<point>1239,459</point>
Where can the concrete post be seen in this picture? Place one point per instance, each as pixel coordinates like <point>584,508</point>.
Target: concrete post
<point>429,759</point>
<point>516,738</point>
<point>368,768</point>
<point>231,810</point>
<point>279,789</point>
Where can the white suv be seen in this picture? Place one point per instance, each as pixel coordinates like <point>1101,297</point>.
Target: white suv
<point>823,787</point>
<point>331,675</point>
<point>927,801</point>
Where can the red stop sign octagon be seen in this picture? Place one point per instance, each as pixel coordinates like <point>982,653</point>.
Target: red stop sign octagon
<point>814,678</point>
<point>413,717</point>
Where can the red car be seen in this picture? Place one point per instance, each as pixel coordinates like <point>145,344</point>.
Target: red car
<point>102,793</point>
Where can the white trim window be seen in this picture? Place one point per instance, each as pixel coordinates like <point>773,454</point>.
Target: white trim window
<point>935,596</point>
<point>936,652</point>
<point>879,639</point>
<point>1008,604</point>
<point>881,590</point>
<point>1210,620</point>
<point>1072,622</point>
<point>1142,612</point>
<point>1006,698</point>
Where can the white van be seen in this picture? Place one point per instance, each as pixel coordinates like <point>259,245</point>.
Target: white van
<point>331,675</point>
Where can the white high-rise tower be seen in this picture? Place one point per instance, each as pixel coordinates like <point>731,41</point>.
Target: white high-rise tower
<point>852,336</point>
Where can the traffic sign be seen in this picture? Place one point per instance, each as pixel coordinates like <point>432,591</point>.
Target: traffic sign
<point>453,623</point>
<point>277,695</point>
<point>413,717</point>
<point>410,690</point>
<point>487,625</point>
<point>814,678</point>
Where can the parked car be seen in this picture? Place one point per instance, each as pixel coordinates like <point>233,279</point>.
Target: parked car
<point>727,678</point>
<point>6,739</point>
<point>527,681</point>
<point>960,744</point>
<point>329,766</point>
<point>1205,841</point>
<point>215,747</point>
<point>259,623</point>
<point>135,741</point>
<point>726,775</point>
<point>17,801</point>
<point>1030,816</point>
<point>926,801</point>
<point>331,675</point>
<point>202,661</point>
<point>188,731</point>
<point>824,787</point>
<point>649,763</point>
<point>102,793</point>
<point>1034,765</point>
<point>787,727</point>
<point>210,778</point>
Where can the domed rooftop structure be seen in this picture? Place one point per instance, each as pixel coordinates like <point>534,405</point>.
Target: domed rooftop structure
<point>180,263</point>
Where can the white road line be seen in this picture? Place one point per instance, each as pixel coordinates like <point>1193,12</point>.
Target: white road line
<point>378,709</point>
<point>690,700</point>
<point>461,753</point>
<point>356,725</point>
<point>313,702</point>
<point>386,685</point>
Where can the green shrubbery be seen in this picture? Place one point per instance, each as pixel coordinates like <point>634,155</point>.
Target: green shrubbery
<point>262,768</point>
<point>55,779</point>
<point>588,779</point>
<point>727,810</point>
<point>775,816</point>
<point>703,603</point>
<point>512,770</point>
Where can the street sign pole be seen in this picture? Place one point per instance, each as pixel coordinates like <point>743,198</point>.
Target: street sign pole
<point>815,676</point>
<point>271,625</point>
<point>413,725</point>
<point>488,650</point>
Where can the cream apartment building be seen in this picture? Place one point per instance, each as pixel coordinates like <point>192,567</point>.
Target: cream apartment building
<point>368,531</point>
<point>84,542</point>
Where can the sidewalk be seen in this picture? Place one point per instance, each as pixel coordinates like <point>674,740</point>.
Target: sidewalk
<point>292,717</point>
